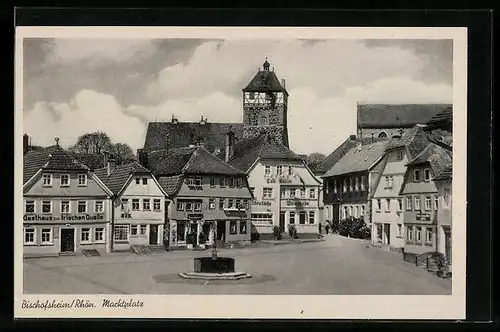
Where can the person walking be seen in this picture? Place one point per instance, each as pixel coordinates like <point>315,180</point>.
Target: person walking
<point>319,225</point>
<point>327,227</point>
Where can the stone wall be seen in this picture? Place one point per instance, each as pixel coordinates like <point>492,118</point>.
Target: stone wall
<point>264,118</point>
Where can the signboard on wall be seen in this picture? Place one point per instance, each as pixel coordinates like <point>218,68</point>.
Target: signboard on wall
<point>263,203</point>
<point>291,202</point>
<point>423,217</point>
<point>64,217</point>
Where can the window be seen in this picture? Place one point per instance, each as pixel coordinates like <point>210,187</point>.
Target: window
<point>197,206</point>
<point>311,217</point>
<point>427,174</point>
<point>417,203</point>
<point>292,193</point>
<point>197,182</point>
<point>267,193</point>
<point>85,235</point>
<point>408,204</point>
<point>399,155</point>
<point>121,233</point>
<point>351,184</point>
<point>344,211</point>
<point>156,204</point>
<point>312,193</point>
<point>399,230</point>
<point>47,180</point>
<point>283,193</point>
<point>418,234</point>
<point>356,211</point>
<point>267,170</point>
<point>125,204</point>
<point>302,217</point>
<point>222,182</point>
<point>335,186</point>
<point>230,203</point>
<point>233,227</point>
<point>387,204</point>
<point>409,234</point>
<point>279,169</point>
<point>243,227</point>
<point>29,236</point>
<point>180,206</point>
<point>189,206</point>
<point>65,206</point>
<point>378,205</point>
<point>362,211</point>
<point>435,200</point>
<point>292,217</point>
<point>146,205</point>
<point>99,234</point>
<point>446,196</point>
<point>239,204</point>
<point>231,182</point>
<point>135,204</point>
<point>144,181</point>
<point>133,230</point>
<point>251,95</point>
<point>46,235</point>
<point>350,211</point>
<point>211,203</point>
<point>363,180</point>
<point>212,181</point>
<point>99,207</point>
<point>137,181</point>
<point>345,185</point>
<point>428,203</point>
<point>221,203</point>
<point>82,179</point>
<point>388,182</point>
<point>428,235</point>
<point>46,206</point>
<point>239,182</point>
<point>290,170</point>
<point>400,204</point>
<point>190,181</point>
<point>382,135</point>
<point>143,229</point>
<point>302,193</point>
<point>262,218</point>
<point>29,206</point>
<point>64,180</point>
<point>416,175</point>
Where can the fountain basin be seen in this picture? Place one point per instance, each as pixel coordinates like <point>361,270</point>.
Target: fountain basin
<point>210,265</point>
<point>215,276</point>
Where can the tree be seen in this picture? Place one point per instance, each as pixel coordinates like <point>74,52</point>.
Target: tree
<point>93,143</point>
<point>122,153</point>
<point>314,159</point>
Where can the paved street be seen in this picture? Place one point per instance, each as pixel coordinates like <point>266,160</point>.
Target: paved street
<point>336,266</point>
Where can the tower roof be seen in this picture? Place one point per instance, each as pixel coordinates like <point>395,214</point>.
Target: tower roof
<point>265,81</point>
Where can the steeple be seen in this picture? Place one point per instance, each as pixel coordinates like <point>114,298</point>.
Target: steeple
<point>266,65</point>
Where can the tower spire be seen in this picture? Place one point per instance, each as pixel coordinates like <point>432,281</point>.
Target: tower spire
<point>266,65</point>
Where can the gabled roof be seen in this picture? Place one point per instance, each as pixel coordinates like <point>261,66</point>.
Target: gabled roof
<point>171,135</point>
<point>396,115</point>
<point>190,160</point>
<point>50,158</point>
<point>445,174</point>
<point>442,120</point>
<point>263,146</point>
<point>265,81</point>
<point>93,161</point>
<point>120,175</point>
<point>414,139</point>
<point>438,158</point>
<point>170,184</point>
<point>358,160</point>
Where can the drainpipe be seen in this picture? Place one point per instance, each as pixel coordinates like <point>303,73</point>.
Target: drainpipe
<point>112,233</point>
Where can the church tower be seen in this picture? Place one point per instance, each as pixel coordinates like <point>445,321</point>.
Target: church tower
<point>265,105</point>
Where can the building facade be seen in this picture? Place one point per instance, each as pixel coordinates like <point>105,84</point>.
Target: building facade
<point>139,206</point>
<point>67,209</point>
<point>443,182</point>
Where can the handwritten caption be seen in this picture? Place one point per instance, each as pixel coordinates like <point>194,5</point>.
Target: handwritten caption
<point>81,304</point>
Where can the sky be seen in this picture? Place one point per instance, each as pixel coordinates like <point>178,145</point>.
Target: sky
<point>75,86</point>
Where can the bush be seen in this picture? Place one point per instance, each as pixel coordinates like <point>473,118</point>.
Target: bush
<point>365,233</point>
<point>344,227</point>
<point>440,260</point>
<point>292,231</point>
<point>277,233</point>
<point>355,228</point>
<point>334,226</point>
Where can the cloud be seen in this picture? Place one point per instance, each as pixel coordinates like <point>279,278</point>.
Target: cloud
<point>88,111</point>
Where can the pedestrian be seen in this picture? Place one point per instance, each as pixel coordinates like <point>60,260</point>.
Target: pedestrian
<point>319,228</point>
<point>327,227</point>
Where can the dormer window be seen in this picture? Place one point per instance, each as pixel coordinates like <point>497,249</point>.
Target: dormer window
<point>427,174</point>
<point>416,175</point>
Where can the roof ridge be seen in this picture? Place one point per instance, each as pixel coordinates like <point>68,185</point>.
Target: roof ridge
<point>429,145</point>
<point>186,165</point>
<point>234,168</point>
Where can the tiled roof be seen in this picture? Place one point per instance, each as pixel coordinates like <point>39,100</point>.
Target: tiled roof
<point>264,81</point>
<point>190,160</point>
<point>396,115</point>
<point>264,146</point>
<point>445,174</point>
<point>438,158</point>
<point>50,158</point>
<point>358,160</point>
<point>119,175</point>
<point>170,184</point>
<point>414,139</point>
<point>443,119</point>
<point>93,161</point>
<point>168,135</point>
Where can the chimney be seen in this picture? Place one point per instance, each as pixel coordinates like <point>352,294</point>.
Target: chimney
<point>203,121</point>
<point>111,165</point>
<point>174,119</point>
<point>143,157</point>
<point>283,83</point>
<point>352,137</point>
<point>26,143</point>
<point>229,146</point>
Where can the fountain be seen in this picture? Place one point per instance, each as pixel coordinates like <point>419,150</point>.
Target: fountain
<point>214,267</point>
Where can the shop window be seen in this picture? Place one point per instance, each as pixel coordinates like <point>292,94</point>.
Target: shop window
<point>99,235</point>
<point>243,227</point>
<point>146,205</point>
<point>302,217</point>
<point>46,235</point>
<point>181,231</point>
<point>85,235</point>
<point>157,204</point>
<point>121,232</point>
<point>46,206</point>
<point>64,179</point>
<point>262,218</point>
<point>29,236</point>
<point>99,206</point>
<point>65,207</point>
<point>82,180</point>
<point>29,206</point>
<point>233,227</point>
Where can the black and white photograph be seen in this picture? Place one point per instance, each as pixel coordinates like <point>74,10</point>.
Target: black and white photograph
<point>240,163</point>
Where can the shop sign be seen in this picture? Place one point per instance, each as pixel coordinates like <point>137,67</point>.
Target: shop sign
<point>126,215</point>
<point>280,180</point>
<point>423,217</point>
<point>263,203</point>
<point>64,217</point>
<point>195,216</point>
<point>297,203</point>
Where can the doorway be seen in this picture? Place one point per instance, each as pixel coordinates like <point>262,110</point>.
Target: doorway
<point>387,233</point>
<point>206,231</point>
<point>153,235</point>
<point>282,221</point>
<point>68,240</point>
<point>221,230</point>
<point>336,212</point>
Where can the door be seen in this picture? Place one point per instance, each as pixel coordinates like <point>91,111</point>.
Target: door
<point>206,231</point>
<point>153,235</point>
<point>282,221</point>
<point>336,212</point>
<point>68,240</point>
<point>447,245</point>
<point>387,231</point>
